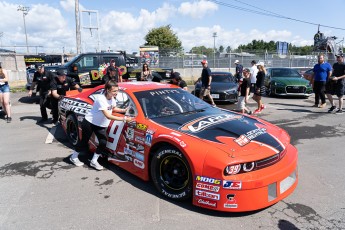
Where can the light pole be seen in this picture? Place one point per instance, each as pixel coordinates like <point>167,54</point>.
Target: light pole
<point>214,49</point>
<point>25,11</point>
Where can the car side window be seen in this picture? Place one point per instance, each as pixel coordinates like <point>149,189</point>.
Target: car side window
<point>87,62</point>
<point>123,101</point>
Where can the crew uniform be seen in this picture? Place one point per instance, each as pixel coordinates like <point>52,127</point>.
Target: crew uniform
<point>61,88</point>
<point>43,80</point>
<point>336,87</point>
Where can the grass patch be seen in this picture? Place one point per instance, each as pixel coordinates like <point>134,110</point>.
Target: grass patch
<point>18,89</point>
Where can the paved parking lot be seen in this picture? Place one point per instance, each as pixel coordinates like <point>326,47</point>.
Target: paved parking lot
<point>40,189</point>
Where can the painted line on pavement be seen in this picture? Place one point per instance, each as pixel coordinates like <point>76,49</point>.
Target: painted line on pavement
<point>50,136</point>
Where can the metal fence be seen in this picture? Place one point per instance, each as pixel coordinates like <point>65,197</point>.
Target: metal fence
<point>226,60</point>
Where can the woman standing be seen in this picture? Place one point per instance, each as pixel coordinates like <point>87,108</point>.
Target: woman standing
<point>5,93</point>
<point>97,121</point>
<point>259,87</point>
<point>146,74</point>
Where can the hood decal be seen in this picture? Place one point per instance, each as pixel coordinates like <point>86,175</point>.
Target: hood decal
<point>214,123</point>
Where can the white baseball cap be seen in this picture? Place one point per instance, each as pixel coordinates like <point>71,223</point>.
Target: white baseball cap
<point>236,62</point>
<point>260,63</point>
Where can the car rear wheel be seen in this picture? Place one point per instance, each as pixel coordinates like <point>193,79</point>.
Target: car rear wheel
<point>72,130</point>
<point>171,174</point>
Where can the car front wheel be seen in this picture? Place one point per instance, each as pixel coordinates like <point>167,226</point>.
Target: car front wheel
<point>72,130</point>
<point>171,174</point>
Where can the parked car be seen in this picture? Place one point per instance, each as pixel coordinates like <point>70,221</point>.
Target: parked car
<point>223,87</point>
<point>221,159</point>
<point>30,75</point>
<point>286,82</point>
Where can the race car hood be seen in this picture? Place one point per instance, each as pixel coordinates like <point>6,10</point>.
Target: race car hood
<point>228,131</point>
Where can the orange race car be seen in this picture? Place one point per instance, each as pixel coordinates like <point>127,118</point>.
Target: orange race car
<point>220,159</point>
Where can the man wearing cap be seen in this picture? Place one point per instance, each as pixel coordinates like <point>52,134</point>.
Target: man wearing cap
<point>42,79</point>
<point>111,75</point>
<point>117,74</point>
<point>335,84</point>
<point>59,86</point>
<point>177,80</point>
<point>206,80</point>
<point>239,69</point>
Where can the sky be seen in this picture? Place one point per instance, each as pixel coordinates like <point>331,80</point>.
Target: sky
<point>50,24</point>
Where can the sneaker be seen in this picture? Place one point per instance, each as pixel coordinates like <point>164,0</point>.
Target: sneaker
<point>339,111</point>
<point>316,105</point>
<point>331,109</point>
<point>96,165</point>
<point>250,112</point>
<point>55,123</point>
<point>9,119</point>
<point>262,107</point>
<point>76,161</point>
<point>322,105</point>
<point>257,111</point>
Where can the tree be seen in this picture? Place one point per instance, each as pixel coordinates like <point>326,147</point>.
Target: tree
<point>202,50</point>
<point>228,49</point>
<point>221,49</point>
<point>164,38</point>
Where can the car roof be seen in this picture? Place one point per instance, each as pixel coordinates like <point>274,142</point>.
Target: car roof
<point>138,86</point>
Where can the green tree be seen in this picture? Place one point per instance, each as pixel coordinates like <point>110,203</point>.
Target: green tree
<point>164,38</point>
<point>228,49</point>
<point>221,49</point>
<point>202,50</point>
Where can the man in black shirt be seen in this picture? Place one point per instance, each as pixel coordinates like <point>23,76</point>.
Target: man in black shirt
<point>42,79</point>
<point>335,84</point>
<point>177,80</point>
<point>112,74</point>
<point>244,92</point>
<point>239,69</point>
<point>59,86</point>
<point>206,80</point>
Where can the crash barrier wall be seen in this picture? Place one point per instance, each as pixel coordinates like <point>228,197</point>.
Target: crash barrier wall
<point>15,66</point>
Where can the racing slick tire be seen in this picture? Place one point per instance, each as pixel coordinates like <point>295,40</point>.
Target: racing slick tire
<point>72,130</point>
<point>171,174</point>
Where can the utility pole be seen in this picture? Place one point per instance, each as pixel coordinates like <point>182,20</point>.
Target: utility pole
<point>25,11</point>
<point>77,26</point>
<point>214,49</point>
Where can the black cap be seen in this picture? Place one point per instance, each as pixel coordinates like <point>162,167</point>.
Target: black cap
<point>39,66</point>
<point>111,68</point>
<point>175,75</point>
<point>61,72</point>
<point>339,55</point>
<point>254,62</point>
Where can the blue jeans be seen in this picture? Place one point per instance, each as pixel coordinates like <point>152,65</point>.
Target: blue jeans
<point>4,88</point>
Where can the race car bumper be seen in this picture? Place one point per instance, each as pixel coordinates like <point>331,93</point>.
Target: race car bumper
<point>248,191</point>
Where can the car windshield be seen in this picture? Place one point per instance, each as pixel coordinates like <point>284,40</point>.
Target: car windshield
<point>285,73</point>
<point>169,102</point>
<point>222,78</point>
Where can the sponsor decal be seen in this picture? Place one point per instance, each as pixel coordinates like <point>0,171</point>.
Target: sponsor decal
<point>129,134</point>
<point>208,187</point>
<point>232,184</point>
<point>148,139</point>
<point>208,121</point>
<point>139,164</point>
<point>207,180</point>
<point>139,147</point>
<point>141,127</point>
<point>182,143</point>
<point>231,202</point>
<point>164,92</point>
<point>75,106</point>
<point>246,138</point>
<point>207,202</point>
<point>234,169</point>
<point>208,195</point>
<point>140,140</point>
<point>128,151</point>
<point>139,156</point>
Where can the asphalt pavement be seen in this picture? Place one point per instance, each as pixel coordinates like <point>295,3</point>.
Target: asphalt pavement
<point>41,189</point>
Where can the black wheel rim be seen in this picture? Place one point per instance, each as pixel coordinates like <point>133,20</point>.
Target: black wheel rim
<point>73,132</point>
<point>174,172</point>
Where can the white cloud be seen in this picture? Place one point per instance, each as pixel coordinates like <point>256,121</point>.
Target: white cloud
<point>69,5</point>
<point>197,9</point>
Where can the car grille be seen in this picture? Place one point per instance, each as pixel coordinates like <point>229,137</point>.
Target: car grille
<point>295,89</point>
<point>270,160</point>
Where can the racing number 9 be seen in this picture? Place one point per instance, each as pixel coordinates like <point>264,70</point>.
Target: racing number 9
<point>114,131</point>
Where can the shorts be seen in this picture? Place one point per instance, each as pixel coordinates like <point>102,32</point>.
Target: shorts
<point>204,92</point>
<point>335,87</point>
<point>260,92</point>
<point>4,88</point>
<point>252,88</point>
<point>241,104</point>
